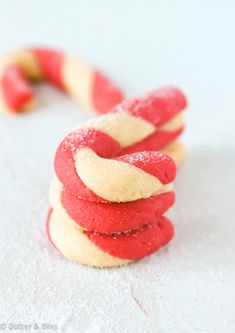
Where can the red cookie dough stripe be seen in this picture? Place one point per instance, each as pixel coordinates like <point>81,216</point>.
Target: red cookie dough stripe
<point>15,89</point>
<point>50,62</point>
<point>105,94</point>
<point>115,217</point>
<point>157,164</point>
<point>158,107</point>
<point>136,244</point>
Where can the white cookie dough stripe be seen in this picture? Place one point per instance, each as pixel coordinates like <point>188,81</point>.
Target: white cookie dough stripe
<point>115,181</point>
<point>173,124</point>
<point>176,150</point>
<point>76,246</point>
<point>78,78</point>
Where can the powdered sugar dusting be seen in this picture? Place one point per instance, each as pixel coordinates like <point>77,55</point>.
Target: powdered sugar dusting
<point>78,135</point>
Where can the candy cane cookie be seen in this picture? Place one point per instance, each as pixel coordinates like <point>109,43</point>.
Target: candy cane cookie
<point>112,185</point>
<point>107,207</point>
<point>87,85</point>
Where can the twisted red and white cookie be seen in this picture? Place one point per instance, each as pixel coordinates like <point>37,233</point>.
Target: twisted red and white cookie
<point>107,207</point>
<point>87,85</point>
<point>111,186</point>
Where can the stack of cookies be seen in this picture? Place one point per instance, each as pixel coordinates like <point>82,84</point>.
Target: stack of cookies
<point>109,193</point>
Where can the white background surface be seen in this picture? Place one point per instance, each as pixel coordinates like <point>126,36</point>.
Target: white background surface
<point>188,286</point>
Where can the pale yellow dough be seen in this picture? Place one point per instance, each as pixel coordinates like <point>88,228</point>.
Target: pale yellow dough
<point>78,78</point>
<point>173,124</point>
<point>75,245</point>
<point>176,150</point>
